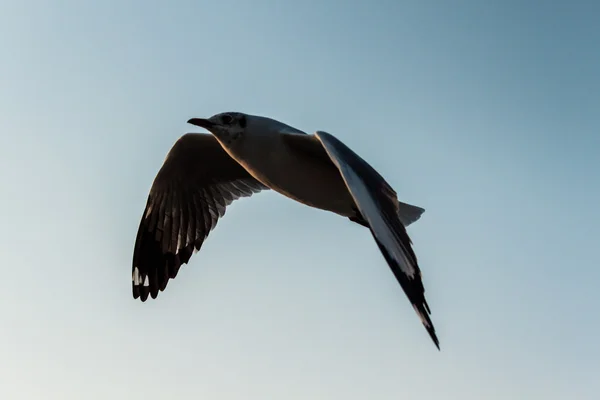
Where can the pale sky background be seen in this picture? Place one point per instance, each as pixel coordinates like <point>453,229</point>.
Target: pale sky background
<point>486,113</point>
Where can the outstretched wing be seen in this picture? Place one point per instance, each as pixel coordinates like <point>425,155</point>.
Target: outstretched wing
<point>381,212</point>
<point>196,183</point>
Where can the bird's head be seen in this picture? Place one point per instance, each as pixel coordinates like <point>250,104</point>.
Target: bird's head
<point>228,127</point>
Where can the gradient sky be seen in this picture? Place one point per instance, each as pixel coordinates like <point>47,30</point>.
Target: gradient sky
<point>485,113</point>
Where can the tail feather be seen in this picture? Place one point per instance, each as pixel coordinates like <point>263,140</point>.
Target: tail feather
<point>409,213</point>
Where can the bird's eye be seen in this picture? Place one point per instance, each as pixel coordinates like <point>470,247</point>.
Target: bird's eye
<point>227,119</point>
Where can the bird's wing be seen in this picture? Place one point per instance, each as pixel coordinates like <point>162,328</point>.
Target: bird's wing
<point>197,181</point>
<point>380,209</point>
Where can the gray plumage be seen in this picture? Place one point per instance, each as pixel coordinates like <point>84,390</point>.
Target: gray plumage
<point>246,154</point>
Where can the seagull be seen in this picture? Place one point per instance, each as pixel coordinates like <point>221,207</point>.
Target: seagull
<point>245,154</point>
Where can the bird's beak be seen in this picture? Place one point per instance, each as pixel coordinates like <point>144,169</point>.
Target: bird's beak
<point>201,122</point>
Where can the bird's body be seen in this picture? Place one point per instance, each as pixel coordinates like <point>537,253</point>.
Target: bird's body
<point>203,174</point>
<point>297,173</point>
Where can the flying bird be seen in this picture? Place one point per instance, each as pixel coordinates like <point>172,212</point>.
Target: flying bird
<point>203,174</point>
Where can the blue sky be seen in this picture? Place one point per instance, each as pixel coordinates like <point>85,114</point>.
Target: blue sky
<point>484,113</point>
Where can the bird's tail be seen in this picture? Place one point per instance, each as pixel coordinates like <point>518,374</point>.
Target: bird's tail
<point>409,213</point>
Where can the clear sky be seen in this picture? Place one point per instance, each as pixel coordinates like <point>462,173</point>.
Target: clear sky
<point>485,113</point>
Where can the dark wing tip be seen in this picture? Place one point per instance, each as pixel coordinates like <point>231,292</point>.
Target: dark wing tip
<point>423,312</point>
<point>152,267</point>
<point>432,334</point>
<point>434,338</point>
<point>139,292</point>
<point>414,290</point>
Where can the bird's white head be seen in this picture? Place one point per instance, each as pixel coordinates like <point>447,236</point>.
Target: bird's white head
<point>228,127</point>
